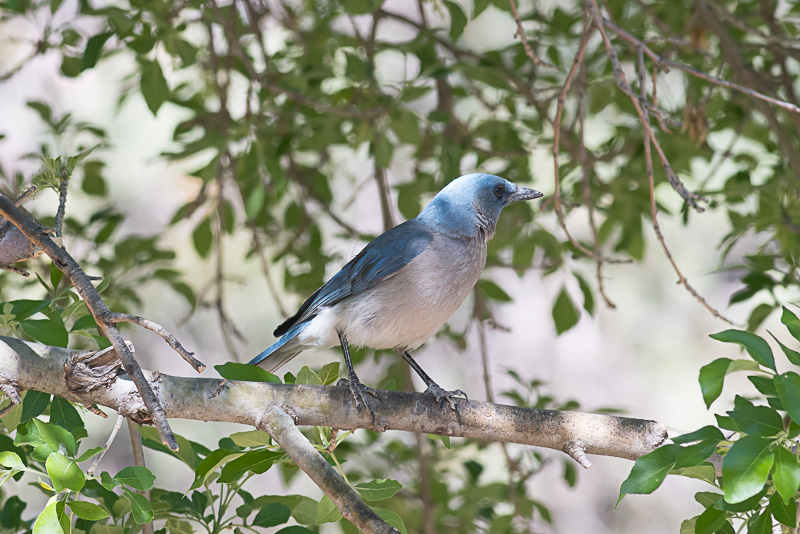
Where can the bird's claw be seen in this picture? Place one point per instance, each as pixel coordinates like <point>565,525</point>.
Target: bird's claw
<point>360,392</point>
<point>442,395</point>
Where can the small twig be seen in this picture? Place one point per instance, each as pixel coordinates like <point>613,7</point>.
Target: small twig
<point>161,331</point>
<point>283,430</point>
<point>25,195</point>
<point>521,33</point>
<point>262,256</point>
<point>110,440</point>
<point>556,148</point>
<point>62,204</point>
<point>653,208</point>
<point>577,452</point>
<point>138,458</point>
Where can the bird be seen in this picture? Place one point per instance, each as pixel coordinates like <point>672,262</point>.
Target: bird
<point>404,285</point>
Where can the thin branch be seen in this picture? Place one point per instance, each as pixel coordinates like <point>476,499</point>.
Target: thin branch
<point>62,259</point>
<point>138,459</point>
<point>521,33</point>
<point>265,267</point>
<point>556,148</point>
<point>281,426</point>
<point>648,158</point>
<point>107,446</point>
<point>171,340</point>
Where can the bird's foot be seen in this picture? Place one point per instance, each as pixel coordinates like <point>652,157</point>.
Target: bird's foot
<point>360,392</point>
<point>442,395</point>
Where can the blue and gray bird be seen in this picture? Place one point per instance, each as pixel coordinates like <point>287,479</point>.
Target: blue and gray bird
<point>404,285</point>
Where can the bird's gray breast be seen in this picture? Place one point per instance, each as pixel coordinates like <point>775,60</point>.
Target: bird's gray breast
<point>404,310</point>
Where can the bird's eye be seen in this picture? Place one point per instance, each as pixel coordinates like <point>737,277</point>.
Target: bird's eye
<point>499,190</point>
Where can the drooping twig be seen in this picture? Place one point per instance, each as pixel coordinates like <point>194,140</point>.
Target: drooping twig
<point>107,446</point>
<point>283,430</point>
<point>102,314</point>
<point>653,208</point>
<point>556,149</point>
<point>525,45</point>
<point>619,75</point>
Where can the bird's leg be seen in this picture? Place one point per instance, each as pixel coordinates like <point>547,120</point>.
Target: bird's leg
<point>357,389</point>
<point>434,389</point>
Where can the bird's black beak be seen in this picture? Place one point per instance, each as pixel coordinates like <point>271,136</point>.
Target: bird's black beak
<point>522,193</point>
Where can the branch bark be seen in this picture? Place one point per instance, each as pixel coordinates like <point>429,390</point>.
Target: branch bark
<point>51,370</point>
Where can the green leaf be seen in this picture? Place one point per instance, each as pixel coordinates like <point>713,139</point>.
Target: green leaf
<point>329,374</point>
<point>87,510</point>
<point>565,314</point>
<point>136,476</point>
<point>759,524</point>
<point>141,509</point>
<point>47,522</point>
<point>202,237</point>
<point>84,323</point>
<point>791,322</point>
<point>271,515</point>
<point>210,463</point>
<point>650,470</point>
<point>89,453</point>
<point>378,490</point>
<point>792,355</point>
<point>588,297</point>
<point>153,85</point>
<point>64,414</point>
<point>64,473</point>
<point>56,437</point>
<point>710,521</point>
<point>392,518</point>
<point>93,48</point>
<point>383,151</point>
<point>245,372</point>
<point>707,432</point>
<point>458,20</point>
<point>251,438</point>
<point>443,439</point>
<point>788,387</point>
<point>712,376</point>
<point>11,460</point>
<point>295,529</point>
<point>34,404</point>
<point>757,420</point>
<point>22,309</point>
<point>46,331</point>
<point>493,291</point>
<point>307,376</point>
<point>784,513</point>
<point>327,511</point>
<point>254,461</point>
<point>786,474</point>
<point>755,346</point>
<point>696,454</point>
<point>745,468</point>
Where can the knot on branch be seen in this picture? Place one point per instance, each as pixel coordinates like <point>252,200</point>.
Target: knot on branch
<point>10,388</point>
<point>88,371</point>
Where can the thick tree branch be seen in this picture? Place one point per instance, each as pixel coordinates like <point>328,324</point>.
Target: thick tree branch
<point>51,369</point>
<point>280,425</point>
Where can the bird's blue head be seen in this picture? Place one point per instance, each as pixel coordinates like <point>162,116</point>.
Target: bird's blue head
<point>472,203</point>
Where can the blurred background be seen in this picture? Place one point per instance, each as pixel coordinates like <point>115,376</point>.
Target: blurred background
<point>249,149</point>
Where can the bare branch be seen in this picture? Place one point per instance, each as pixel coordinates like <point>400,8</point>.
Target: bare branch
<point>283,430</point>
<point>107,446</point>
<point>556,149</point>
<point>648,158</point>
<point>33,365</point>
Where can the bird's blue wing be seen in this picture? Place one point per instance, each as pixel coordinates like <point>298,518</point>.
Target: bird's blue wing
<point>383,257</point>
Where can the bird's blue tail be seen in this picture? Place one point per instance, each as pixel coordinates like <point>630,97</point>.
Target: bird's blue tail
<point>283,350</point>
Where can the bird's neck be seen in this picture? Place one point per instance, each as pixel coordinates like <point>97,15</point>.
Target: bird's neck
<point>457,220</point>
